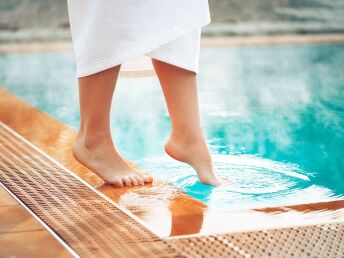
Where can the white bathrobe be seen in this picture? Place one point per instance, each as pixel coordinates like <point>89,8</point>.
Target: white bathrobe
<point>106,33</point>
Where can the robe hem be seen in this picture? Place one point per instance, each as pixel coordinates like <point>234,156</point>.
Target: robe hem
<point>109,62</point>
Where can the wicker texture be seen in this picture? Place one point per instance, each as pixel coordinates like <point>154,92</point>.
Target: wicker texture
<point>310,241</point>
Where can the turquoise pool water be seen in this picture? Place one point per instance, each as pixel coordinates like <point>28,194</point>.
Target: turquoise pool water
<point>273,116</point>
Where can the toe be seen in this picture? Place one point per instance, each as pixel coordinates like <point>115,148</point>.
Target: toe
<point>139,180</point>
<point>126,181</point>
<point>146,178</point>
<point>133,180</point>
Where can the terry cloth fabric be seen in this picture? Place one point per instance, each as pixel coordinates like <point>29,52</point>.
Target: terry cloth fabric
<point>107,33</point>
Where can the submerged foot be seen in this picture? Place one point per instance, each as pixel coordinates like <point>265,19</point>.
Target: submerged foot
<point>100,156</point>
<point>195,153</point>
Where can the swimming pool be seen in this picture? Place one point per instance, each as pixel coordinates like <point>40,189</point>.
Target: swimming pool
<point>273,116</point>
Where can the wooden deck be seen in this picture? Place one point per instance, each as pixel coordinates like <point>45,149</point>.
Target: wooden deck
<point>21,235</point>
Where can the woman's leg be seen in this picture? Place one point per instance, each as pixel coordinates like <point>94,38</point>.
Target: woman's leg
<point>94,147</point>
<point>186,142</point>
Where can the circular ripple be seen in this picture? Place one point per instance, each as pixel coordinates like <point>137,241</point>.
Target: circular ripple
<point>254,181</point>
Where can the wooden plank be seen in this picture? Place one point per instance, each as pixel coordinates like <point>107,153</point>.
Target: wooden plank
<point>6,199</point>
<point>38,244</point>
<point>15,218</point>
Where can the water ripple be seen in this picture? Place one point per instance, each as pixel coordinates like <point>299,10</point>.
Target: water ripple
<point>255,181</point>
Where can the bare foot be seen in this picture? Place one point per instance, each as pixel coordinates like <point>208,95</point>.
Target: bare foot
<point>195,153</point>
<point>100,156</point>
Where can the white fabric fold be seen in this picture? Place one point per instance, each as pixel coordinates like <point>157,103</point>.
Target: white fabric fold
<point>106,33</point>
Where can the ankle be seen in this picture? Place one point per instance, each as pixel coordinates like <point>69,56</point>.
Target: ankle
<point>94,140</point>
<point>189,138</point>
